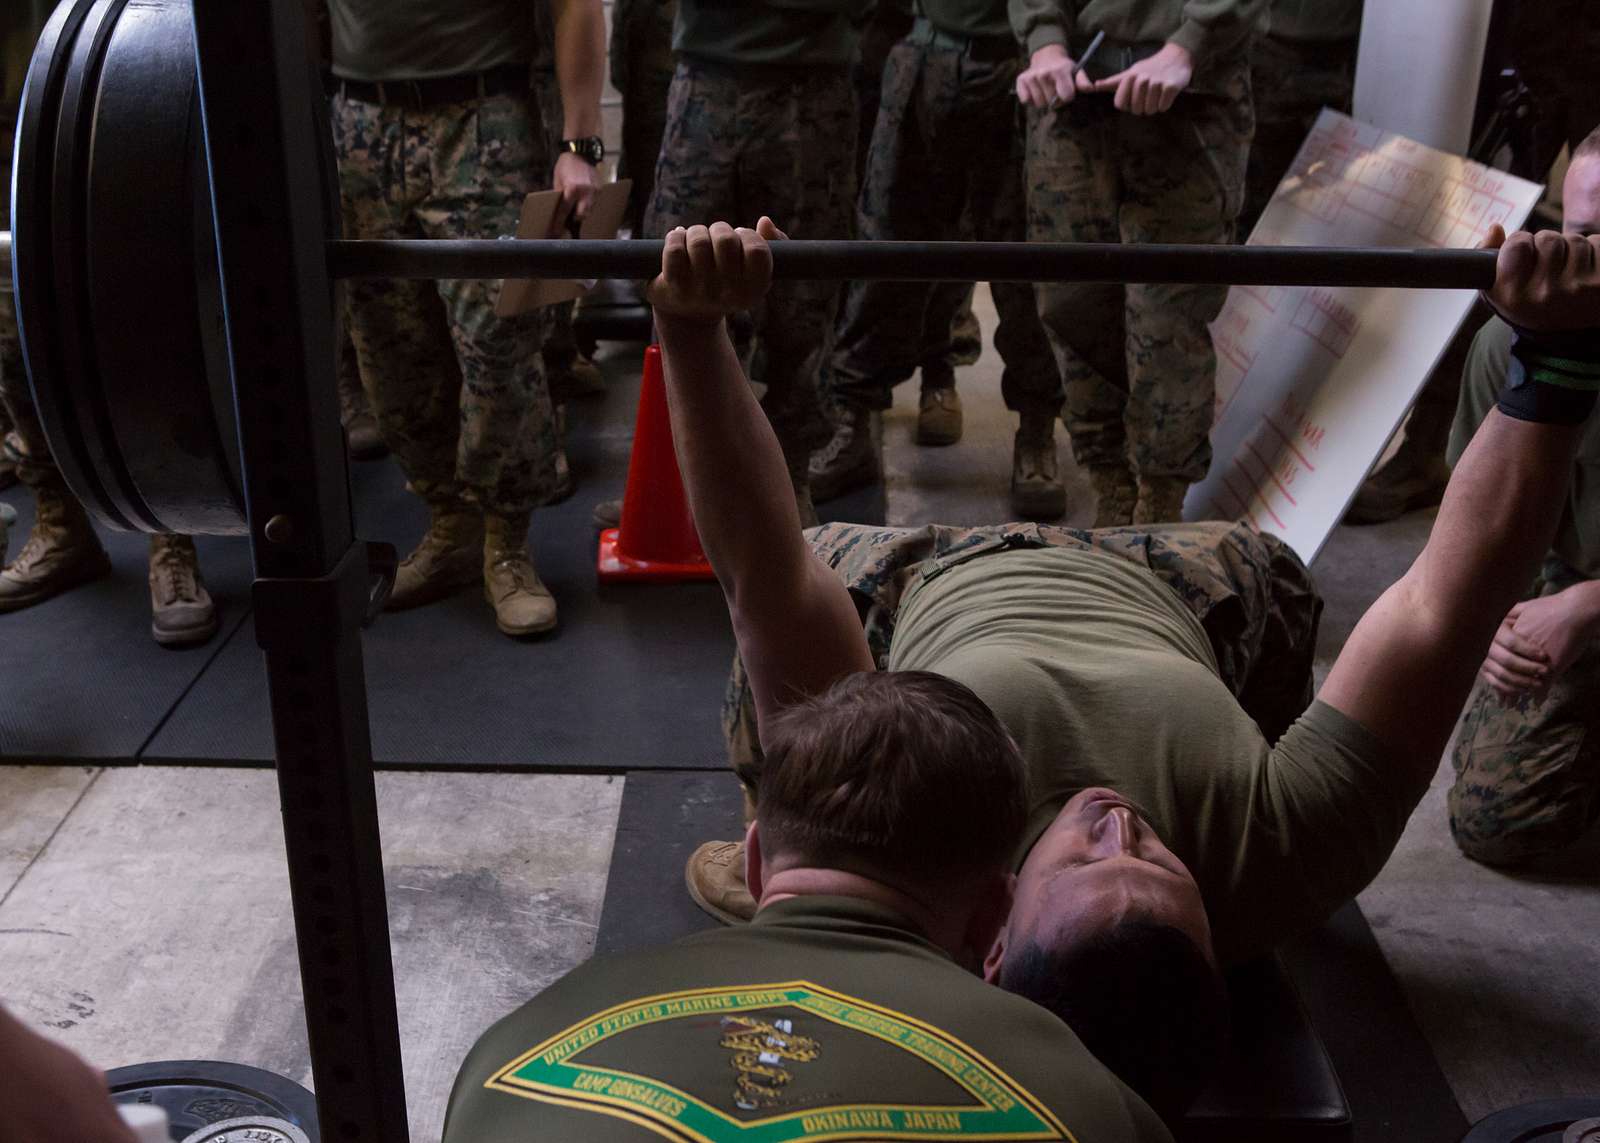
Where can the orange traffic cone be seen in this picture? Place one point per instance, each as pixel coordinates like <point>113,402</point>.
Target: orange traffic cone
<point>656,541</point>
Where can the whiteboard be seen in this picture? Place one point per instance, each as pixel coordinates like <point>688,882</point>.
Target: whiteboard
<point>1312,381</point>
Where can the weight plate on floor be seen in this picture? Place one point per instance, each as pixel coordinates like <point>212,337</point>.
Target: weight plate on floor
<point>118,294</point>
<point>250,1129</point>
<point>198,1095</point>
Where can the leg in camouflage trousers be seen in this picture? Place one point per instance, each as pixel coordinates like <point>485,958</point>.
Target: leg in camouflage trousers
<point>1528,774</point>
<point>777,143</point>
<point>642,64</point>
<point>1137,360</point>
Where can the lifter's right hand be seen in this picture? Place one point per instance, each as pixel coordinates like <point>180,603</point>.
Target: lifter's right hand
<point>1546,281</point>
<point>1051,79</point>
<point>709,273</point>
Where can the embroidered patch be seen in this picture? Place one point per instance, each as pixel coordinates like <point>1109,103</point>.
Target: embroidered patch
<point>765,1052</point>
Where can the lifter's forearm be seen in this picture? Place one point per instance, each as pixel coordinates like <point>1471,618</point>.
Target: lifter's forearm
<point>733,468</point>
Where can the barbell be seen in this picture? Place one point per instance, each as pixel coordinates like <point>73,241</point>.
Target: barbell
<point>120,300</point>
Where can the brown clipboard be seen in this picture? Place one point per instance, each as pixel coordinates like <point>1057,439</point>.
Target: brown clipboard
<point>519,295</point>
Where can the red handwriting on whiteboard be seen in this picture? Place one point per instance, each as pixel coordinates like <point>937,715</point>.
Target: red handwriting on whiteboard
<point>1326,320</point>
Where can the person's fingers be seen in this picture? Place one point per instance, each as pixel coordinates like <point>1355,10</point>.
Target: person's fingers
<point>702,260</point>
<point>1516,611</point>
<point>1503,684</point>
<point>1495,239</point>
<point>1109,83</point>
<point>769,230</point>
<point>1510,638</point>
<point>757,259</point>
<point>1123,100</point>
<point>1061,84</point>
<point>562,215</point>
<point>675,266</point>
<point>1082,82</point>
<point>728,253</point>
<point>1169,96</point>
<point>1514,666</point>
<point>1145,95</point>
<point>1515,268</point>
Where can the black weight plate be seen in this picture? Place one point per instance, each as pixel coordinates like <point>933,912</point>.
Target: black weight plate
<point>149,225</point>
<point>198,1093</point>
<point>34,216</point>
<point>79,386</point>
<point>1543,1121</point>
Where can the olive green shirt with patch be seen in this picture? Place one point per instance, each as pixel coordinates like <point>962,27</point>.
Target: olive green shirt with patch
<point>377,40</point>
<point>1577,542</point>
<point>773,33</point>
<point>825,1018</point>
<point>1105,678</point>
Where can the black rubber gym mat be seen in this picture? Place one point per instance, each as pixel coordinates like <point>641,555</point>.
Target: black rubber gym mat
<point>1390,1079</point>
<point>82,678</point>
<point>633,678</point>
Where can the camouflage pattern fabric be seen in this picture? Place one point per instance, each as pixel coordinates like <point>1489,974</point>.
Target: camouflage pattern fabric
<point>1137,360</point>
<point>459,393</point>
<point>745,142</point>
<point>1252,595</point>
<point>642,63</point>
<point>1528,775</point>
<point>1292,82</point>
<point>560,349</point>
<point>940,108</point>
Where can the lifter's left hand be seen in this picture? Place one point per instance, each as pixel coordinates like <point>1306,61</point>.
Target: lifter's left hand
<point>710,272</point>
<point>577,181</point>
<point>1547,281</point>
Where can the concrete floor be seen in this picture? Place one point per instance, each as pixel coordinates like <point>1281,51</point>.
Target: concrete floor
<point>144,912</point>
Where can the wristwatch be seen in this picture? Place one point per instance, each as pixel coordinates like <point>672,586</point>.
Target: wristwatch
<point>591,150</point>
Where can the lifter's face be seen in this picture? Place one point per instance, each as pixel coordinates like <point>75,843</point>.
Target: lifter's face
<point>1097,865</point>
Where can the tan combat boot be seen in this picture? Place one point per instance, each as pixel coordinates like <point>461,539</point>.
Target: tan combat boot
<point>1115,495</point>
<point>181,611</point>
<point>939,419</point>
<point>61,552</point>
<point>449,557</point>
<point>715,879</point>
<point>522,604</point>
<point>1160,500</point>
<point>1036,489</point>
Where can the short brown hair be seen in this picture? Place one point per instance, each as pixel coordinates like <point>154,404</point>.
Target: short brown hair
<point>903,772</point>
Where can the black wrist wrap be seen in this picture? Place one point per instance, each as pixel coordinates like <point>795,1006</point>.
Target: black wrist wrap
<point>1554,377</point>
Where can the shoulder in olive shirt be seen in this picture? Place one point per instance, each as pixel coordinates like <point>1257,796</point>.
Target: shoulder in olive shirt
<point>825,1017</point>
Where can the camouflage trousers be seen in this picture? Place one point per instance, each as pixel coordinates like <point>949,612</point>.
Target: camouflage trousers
<point>1252,595</point>
<point>459,394</point>
<point>1291,82</point>
<point>642,63</point>
<point>741,143</point>
<point>1137,360</point>
<point>940,107</point>
<point>1528,775</point>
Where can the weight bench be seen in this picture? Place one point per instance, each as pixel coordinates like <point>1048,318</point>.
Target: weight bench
<point>1325,1001</point>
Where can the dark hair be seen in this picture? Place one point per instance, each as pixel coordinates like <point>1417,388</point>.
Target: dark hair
<point>901,772</point>
<point>1142,997</point>
<point>1588,148</point>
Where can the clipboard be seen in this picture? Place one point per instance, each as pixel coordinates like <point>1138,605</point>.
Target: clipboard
<point>519,295</point>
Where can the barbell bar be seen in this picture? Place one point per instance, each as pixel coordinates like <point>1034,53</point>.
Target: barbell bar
<point>923,262</point>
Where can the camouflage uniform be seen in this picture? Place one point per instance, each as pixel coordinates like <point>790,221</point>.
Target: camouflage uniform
<point>641,69</point>
<point>459,393</point>
<point>1528,775</point>
<point>1137,360</point>
<point>1293,77</point>
<point>1252,595</point>
<point>945,102</point>
<point>746,141</point>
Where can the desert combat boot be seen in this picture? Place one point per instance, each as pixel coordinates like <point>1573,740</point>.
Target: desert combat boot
<point>522,605</point>
<point>61,552</point>
<point>182,613</point>
<point>446,560</point>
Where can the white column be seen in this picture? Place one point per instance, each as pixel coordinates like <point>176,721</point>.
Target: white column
<point>1417,73</point>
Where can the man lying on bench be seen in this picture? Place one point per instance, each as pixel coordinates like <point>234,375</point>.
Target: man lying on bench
<point>1184,812</point>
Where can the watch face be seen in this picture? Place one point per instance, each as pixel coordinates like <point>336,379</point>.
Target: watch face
<point>591,149</point>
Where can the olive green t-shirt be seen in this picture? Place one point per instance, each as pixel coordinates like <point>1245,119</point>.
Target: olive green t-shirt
<point>826,1017</point>
<point>1105,678</point>
<point>1210,29</point>
<point>777,33</point>
<point>1577,542</point>
<point>376,40</point>
<point>1314,20</point>
<point>972,18</point>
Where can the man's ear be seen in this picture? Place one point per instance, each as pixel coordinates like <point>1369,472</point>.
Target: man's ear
<point>987,927</point>
<point>752,860</point>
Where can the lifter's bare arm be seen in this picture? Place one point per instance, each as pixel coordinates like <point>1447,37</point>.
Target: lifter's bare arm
<point>1407,668</point>
<point>795,623</point>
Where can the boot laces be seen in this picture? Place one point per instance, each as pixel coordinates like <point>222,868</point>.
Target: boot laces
<point>174,573</point>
